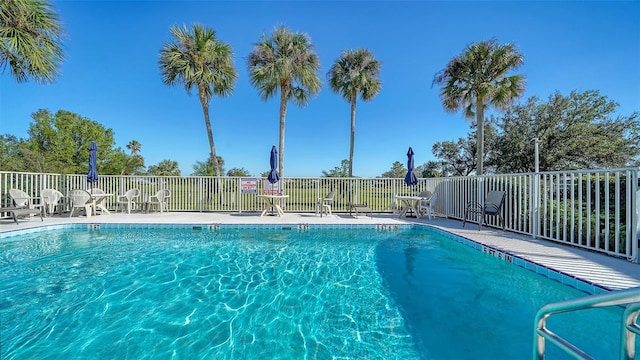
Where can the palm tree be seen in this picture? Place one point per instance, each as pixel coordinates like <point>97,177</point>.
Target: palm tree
<point>285,62</point>
<point>196,58</point>
<point>477,78</point>
<point>30,40</point>
<point>204,168</point>
<point>134,162</point>
<point>355,73</point>
<point>165,168</point>
<point>134,146</point>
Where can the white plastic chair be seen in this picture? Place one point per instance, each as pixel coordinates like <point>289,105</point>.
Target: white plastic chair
<point>324,204</point>
<point>128,200</point>
<point>426,205</point>
<point>80,199</point>
<point>160,199</point>
<point>52,200</point>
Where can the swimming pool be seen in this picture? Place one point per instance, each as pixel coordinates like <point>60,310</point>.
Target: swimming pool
<point>275,293</point>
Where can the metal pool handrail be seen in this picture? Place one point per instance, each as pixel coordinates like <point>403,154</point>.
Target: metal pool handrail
<point>629,326</point>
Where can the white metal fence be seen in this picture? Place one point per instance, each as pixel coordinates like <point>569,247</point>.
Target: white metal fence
<point>594,209</point>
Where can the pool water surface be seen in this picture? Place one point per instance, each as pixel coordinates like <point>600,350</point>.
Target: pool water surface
<point>323,293</point>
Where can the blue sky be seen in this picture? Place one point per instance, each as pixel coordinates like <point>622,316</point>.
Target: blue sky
<point>111,74</point>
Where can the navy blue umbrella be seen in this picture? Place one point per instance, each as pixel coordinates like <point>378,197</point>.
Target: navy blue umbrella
<point>411,178</point>
<point>92,176</point>
<point>273,160</point>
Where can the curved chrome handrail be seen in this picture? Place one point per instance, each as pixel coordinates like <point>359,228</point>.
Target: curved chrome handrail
<point>629,326</point>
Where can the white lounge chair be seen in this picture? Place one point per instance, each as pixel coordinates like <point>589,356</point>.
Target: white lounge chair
<point>20,198</point>
<point>159,199</point>
<point>359,208</point>
<point>52,200</point>
<point>23,200</point>
<point>16,213</point>
<point>128,200</point>
<point>324,204</point>
<point>80,199</point>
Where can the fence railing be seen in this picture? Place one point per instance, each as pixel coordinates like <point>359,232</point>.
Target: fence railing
<point>594,209</point>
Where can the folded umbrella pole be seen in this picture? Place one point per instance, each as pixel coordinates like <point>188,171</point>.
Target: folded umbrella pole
<point>92,176</point>
<point>411,178</point>
<point>273,161</point>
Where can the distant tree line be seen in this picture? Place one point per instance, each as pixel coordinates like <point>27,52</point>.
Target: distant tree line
<point>577,131</point>
<point>59,143</point>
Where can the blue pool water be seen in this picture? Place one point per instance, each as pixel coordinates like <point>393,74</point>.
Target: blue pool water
<point>275,294</point>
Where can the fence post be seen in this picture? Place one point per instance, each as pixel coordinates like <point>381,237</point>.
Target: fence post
<point>535,204</point>
<point>635,222</point>
<point>200,195</point>
<point>536,190</point>
<point>447,189</point>
<point>480,190</point>
<point>239,192</point>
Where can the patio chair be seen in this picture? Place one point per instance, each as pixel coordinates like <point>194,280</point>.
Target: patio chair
<point>493,202</point>
<point>427,203</point>
<point>363,208</point>
<point>23,200</point>
<point>324,204</point>
<point>16,213</point>
<point>80,199</point>
<point>128,200</point>
<point>52,199</point>
<point>20,198</point>
<point>159,199</point>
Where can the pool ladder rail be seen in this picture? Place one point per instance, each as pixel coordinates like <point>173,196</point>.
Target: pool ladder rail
<point>629,327</point>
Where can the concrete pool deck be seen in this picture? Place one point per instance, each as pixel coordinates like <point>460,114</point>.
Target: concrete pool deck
<point>602,270</point>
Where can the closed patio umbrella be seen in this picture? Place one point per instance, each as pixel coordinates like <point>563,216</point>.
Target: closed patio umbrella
<point>92,176</point>
<point>273,160</point>
<point>411,178</point>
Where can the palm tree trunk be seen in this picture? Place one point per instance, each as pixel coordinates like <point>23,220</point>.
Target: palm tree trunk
<point>353,132</point>
<point>479,134</point>
<point>212,146</point>
<point>284,95</point>
<point>207,122</point>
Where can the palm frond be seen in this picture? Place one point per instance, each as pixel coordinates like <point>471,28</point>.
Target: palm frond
<point>355,71</point>
<point>283,61</point>
<point>30,40</point>
<point>481,71</point>
<point>196,58</point>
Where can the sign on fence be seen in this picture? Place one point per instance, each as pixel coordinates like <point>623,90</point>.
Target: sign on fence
<point>248,186</point>
<point>271,189</point>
